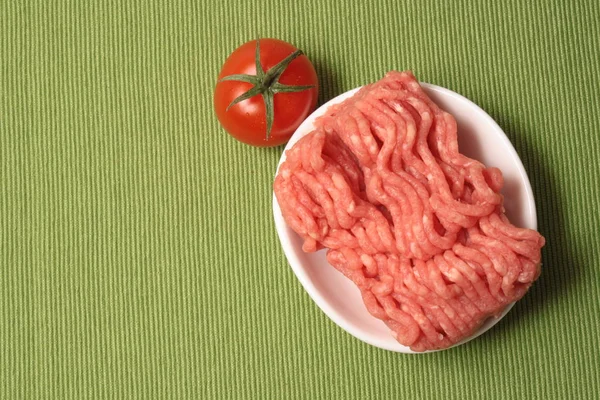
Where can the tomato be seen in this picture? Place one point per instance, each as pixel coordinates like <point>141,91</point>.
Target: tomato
<point>279,89</point>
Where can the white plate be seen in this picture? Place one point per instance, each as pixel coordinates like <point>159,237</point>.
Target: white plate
<point>479,137</point>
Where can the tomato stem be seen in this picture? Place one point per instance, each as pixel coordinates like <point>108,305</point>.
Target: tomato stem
<point>266,84</point>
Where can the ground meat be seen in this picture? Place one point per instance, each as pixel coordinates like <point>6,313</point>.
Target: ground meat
<point>416,225</point>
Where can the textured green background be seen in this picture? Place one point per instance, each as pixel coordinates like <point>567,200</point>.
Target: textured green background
<point>138,254</point>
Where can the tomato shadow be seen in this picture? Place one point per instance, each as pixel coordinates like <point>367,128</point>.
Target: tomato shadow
<point>562,258</point>
<point>330,84</point>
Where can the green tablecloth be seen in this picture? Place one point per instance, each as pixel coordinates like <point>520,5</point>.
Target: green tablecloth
<point>138,255</point>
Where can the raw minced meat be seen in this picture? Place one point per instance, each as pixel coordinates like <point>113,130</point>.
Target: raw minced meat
<point>416,225</point>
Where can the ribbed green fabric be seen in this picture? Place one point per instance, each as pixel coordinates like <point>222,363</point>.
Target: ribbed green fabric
<point>138,256</point>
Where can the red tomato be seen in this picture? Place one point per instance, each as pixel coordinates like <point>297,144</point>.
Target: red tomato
<point>247,120</point>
